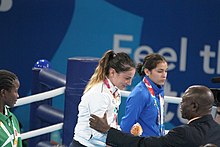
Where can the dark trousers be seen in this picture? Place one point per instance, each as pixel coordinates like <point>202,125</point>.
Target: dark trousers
<point>75,143</point>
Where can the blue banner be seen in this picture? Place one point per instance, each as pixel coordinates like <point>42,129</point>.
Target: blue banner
<point>186,32</point>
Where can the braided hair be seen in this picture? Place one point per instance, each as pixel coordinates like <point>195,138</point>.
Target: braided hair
<point>7,79</point>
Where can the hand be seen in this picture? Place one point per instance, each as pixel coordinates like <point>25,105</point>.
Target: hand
<point>99,124</point>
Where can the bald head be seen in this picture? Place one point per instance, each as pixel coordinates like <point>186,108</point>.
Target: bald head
<point>202,95</point>
<point>197,101</point>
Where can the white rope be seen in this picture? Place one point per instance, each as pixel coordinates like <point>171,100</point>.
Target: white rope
<point>59,91</point>
<point>168,99</point>
<point>40,96</point>
<point>41,131</point>
<point>125,93</point>
<point>172,99</point>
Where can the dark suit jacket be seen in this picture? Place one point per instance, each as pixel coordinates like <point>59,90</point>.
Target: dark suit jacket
<point>199,132</point>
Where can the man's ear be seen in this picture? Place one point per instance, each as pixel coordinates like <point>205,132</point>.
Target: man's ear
<point>195,106</point>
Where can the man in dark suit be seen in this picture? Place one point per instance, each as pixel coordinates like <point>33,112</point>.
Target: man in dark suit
<point>201,129</point>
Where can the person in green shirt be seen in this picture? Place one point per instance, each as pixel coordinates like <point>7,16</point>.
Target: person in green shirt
<point>9,126</point>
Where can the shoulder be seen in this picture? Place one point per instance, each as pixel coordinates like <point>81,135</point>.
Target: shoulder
<point>139,93</point>
<point>179,132</point>
<point>140,89</point>
<point>97,93</point>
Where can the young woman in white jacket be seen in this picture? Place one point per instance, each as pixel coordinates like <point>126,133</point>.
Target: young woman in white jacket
<point>114,72</point>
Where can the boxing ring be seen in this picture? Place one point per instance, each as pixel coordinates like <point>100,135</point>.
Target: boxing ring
<point>47,83</point>
<point>59,126</point>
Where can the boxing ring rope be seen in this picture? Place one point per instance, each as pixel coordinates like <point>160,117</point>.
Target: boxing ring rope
<point>167,99</point>
<point>42,131</point>
<point>57,92</point>
<point>40,97</point>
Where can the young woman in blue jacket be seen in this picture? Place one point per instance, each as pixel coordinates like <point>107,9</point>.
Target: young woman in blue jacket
<point>145,104</point>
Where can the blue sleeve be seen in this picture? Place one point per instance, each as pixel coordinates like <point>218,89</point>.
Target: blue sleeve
<point>135,104</point>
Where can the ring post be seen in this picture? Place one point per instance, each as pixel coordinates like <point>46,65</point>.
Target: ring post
<point>44,79</point>
<point>79,71</point>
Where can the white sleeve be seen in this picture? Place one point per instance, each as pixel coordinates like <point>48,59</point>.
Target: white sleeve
<point>98,105</point>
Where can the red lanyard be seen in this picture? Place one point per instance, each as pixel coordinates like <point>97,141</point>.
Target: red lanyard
<point>150,88</point>
<point>115,93</point>
<point>116,96</point>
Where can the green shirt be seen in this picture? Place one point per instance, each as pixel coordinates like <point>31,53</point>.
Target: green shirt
<point>9,130</point>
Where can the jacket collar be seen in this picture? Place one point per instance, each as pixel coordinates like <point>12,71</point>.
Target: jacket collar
<point>201,119</point>
<point>157,89</point>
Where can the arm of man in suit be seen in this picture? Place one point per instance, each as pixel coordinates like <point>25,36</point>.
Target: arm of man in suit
<point>118,138</point>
